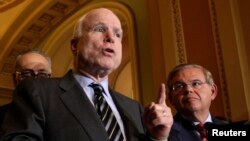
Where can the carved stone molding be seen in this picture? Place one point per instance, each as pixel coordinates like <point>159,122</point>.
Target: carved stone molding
<point>7,4</point>
<point>181,52</point>
<point>49,21</point>
<point>37,30</point>
<point>222,74</point>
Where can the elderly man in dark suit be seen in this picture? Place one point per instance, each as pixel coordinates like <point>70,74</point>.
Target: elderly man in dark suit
<point>29,63</point>
<point>76,107</point>
<point>191,90</point>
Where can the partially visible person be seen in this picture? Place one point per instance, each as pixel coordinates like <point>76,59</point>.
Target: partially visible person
<point>191,90</point>
<point>30,63</point>
<point>81,106</point>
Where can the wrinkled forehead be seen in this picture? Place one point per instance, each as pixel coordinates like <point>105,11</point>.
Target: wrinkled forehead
<point>104,16</point>
<point>32,59</point>
<point>189,74</point>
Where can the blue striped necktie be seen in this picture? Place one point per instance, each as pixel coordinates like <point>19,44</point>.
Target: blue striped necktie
<point>106,115</point>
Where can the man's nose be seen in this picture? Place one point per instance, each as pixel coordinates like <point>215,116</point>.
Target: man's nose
<point>109,37</point>
<point>35,74</point>
<point>188,87</point>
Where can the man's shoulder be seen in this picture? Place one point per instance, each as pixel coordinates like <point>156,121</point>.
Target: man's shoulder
<point>219,121</point>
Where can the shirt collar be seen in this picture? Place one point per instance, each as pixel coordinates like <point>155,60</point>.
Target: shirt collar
<point>209,119</point>
<point>85,81</point>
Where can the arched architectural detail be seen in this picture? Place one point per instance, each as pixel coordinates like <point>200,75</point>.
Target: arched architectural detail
<point>49,27</point>
<point>181,52</point>
<point>220,61</point>
<point>7,4</point>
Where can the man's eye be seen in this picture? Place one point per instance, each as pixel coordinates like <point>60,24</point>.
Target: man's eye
<point>99,29</point>
<point>179,86</point>
<point>118,35</point>
<point>26,73</point>
<point>43,74</point>
<point>196,83</point>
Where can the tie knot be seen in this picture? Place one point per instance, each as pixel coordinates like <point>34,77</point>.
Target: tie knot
<point>200,126</point>
<point>97,88</point>
<point>202,130</point>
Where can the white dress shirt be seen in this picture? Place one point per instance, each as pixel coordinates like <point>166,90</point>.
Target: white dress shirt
<point>84,81</point>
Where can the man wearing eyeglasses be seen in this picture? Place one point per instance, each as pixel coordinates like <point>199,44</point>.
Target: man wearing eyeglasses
<point>81,106</point>
<point>30,63</point>
<point>191,90</point>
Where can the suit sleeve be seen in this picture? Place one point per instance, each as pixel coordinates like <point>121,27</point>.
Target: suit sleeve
<point>25,118</point>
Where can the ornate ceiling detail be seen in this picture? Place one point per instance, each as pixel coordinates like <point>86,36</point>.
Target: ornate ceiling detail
<point>37,30</point>
<point>7,4</point>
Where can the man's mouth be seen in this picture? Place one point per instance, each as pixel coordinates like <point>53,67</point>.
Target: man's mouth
<point>108,51</point>
<point>190,99</point>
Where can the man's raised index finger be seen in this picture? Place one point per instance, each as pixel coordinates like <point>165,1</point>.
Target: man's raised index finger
<point>162,95</point>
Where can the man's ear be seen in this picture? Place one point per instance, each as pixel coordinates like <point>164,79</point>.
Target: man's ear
<point>74,43</point>
<point>214,91</point>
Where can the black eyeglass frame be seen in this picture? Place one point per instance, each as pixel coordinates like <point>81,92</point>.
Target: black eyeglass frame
<point>31,73</point>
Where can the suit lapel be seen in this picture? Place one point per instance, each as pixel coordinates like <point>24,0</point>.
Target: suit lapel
<point>131,128</point>
<point>183,129</point>
<point>79,105</point>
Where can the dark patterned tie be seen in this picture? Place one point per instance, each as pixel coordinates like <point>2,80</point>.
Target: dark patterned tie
<point>106,115</point>
<point>202,130</point>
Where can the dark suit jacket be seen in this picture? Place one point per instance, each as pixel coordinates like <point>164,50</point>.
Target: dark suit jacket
<point>183,130</point>
<point>3,110</point>
<point>58,109</point>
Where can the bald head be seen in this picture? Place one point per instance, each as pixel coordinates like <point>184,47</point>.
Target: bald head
<point>89,19</point>
<point>30,63</point>
<point>96,43</point>
<point>33,60</point>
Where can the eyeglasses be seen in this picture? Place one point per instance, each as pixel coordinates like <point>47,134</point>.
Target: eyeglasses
<point>180,86</point>
<point>31,73</point>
